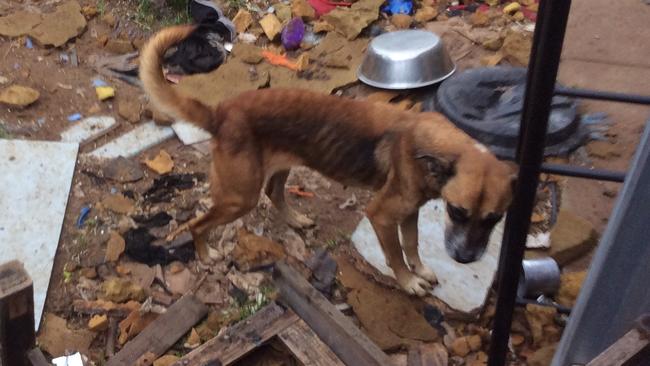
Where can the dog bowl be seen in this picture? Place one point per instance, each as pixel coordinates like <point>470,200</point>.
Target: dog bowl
<point>405,60</point>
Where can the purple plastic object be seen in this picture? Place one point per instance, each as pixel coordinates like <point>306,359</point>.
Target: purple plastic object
<point>293,33</point>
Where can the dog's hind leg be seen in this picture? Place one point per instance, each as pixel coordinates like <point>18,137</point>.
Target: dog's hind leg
<point>275,191</point>
<point>409,229</point>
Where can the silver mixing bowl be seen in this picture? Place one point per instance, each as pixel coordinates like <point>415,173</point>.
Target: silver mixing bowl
<point>405,60</point>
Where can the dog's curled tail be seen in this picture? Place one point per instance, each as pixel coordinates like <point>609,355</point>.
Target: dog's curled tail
<point>161,93</point>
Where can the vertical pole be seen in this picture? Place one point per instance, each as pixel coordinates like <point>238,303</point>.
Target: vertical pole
<point>542,73</point>
<point>17,336</point>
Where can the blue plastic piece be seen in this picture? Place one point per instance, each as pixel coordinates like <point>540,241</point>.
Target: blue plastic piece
<point>83,215</point>
<point>74,117</point>
<point>398,7</point>
<point>28,43</point>
<point>99,82</point>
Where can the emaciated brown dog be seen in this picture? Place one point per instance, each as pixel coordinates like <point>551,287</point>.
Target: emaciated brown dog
<point>407,158</point>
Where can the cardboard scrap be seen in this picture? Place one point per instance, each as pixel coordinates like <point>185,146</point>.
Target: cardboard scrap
<point>351,21</point>
<point>229,79</point>
<point>18,96</point>
<point>118,203</point>
<point>389,317</point>
<point>271,26</point>
<point>56,338</point>
<point>161,164</point>
<point>114,247</point>
<point>242,20</point>
<point>52,31</point>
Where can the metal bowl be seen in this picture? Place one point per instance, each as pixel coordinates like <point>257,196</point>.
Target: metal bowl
<point>405,60</point>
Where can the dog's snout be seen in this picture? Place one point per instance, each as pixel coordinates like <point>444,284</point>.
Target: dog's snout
<point>464,258</point>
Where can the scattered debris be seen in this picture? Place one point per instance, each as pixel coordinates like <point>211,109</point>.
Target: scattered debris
<point>139,247</point>
<point>161,164</point>
<point>18,96</point>
<point>46,196</point>
<point>134,141</point>
<point>88,129</point>
<point>114,247</point>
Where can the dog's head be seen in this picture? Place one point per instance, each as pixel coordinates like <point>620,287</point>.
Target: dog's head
<point>477,191</point>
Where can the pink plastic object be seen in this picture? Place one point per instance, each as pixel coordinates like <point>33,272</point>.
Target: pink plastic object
<point>325,6</point>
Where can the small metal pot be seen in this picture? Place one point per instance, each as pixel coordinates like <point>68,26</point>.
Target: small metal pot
<point>405,59</point>
<point>538,277</point>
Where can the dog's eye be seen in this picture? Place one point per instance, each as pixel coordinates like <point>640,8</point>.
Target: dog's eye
<point>457,214</point>
<point>492,219</point>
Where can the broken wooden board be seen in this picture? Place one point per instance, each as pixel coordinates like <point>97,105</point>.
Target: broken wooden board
<point>463,287</point>
<point>34,185</point>
<point>347,341</point>
<point>88,129</point>
<point>240,339</point>
<point>163,333</point>
<point>134,142</point>
<point>305,345</point>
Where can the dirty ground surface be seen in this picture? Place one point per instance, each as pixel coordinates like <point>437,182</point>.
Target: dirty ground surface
<point>599,53</point>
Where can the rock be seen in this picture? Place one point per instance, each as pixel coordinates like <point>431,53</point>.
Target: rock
<point>538,317</point>
<point>271,26</point>
<point>129,109</point>
<point>89,11</point>
<point>493,44</point>
<point>571,237</point>
<point>479,19</point>
<point>55,338</point>
<point>119,46</point>
<point>166,360</point>
<point>570,284</point>
<point>118,203</point>
<point>302,9</point>
<point>109,19</point>
<point>401,21</point>
<point>351,21</point>
<point>428,354</point>
<point>294,245</point>
<point>543,356</point>
<point>425,14</point>
<point>181,282</point>
<point>122,170</point>
<point>474,342</point>
<point>121,290</point>
<point>283,12</point>
<point>603,150</point>
<point>114,247</point>
<point>98,323</point>
<point>19,23</point>
<point>517,46</point>
<point>161,164</point>
<point>242,20</point>
<point>248,282</point>
<point>58,27</point>
<point>460,347</point>
<point>18,96</point>
<point>248,53</point>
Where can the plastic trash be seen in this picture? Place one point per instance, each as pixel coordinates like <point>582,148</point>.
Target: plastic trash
<point>293,33</point>
<point>74,117</point>
<point>399,7</point>
<point>83,215</point>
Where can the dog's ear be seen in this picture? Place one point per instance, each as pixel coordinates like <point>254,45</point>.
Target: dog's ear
<point>437,165</point>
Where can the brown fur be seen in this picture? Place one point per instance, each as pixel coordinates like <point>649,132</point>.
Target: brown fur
<point>407,158</point>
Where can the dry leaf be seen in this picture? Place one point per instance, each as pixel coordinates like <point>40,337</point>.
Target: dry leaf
<point>161,164</point>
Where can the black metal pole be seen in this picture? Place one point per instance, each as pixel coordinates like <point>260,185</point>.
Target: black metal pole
<point>542,73</point>
<point>602,95</point>
<point>581,172</point>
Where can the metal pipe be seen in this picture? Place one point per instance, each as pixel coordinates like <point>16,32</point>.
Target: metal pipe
<point>542,73</point>
<point>602,95</point>
<point>581,172</point>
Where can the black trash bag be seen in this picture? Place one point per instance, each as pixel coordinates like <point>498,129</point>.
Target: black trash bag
<point>139,247</point>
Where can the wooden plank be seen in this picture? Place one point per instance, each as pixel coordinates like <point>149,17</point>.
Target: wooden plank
<point>307,347</point>
<point>240,339</point>
<point>332,327</point>
<point>163,332</point>
<point>622,350</point>
<point>36,358</point>
<point>17,335</point>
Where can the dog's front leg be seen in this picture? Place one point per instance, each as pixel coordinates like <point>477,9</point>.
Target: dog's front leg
<point>409,228</point>
<point>385,219</point>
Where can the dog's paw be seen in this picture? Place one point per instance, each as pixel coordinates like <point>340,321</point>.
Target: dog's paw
<point>299,221</point>
<point>414,285</point>
<point>426,273</point>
